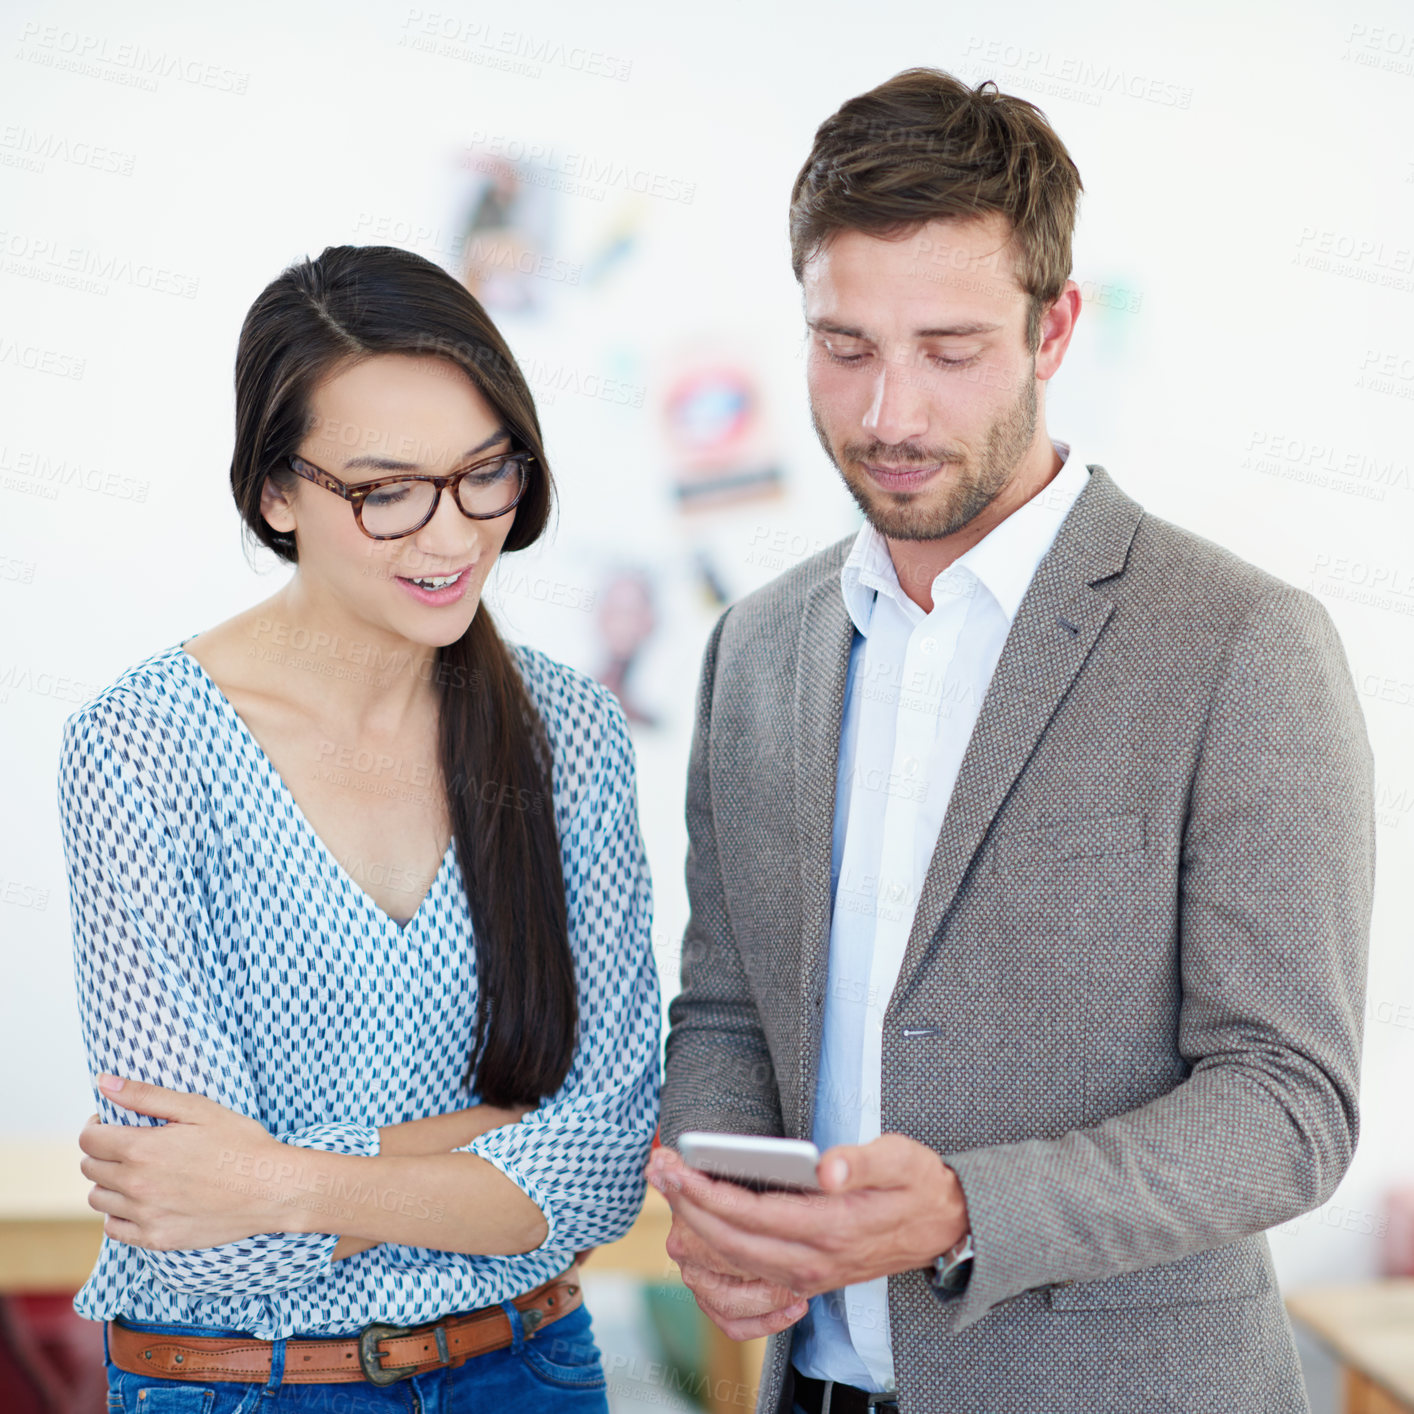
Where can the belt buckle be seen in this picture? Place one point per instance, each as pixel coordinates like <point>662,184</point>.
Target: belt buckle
<point>368,1354</point>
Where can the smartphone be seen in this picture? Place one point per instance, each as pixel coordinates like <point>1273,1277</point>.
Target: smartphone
<point>755,1161</point>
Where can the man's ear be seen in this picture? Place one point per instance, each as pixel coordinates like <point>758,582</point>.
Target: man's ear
<point>1057,326</point>
<point>276,507</point>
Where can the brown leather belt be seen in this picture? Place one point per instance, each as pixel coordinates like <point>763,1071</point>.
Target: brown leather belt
<point>379,1353</point>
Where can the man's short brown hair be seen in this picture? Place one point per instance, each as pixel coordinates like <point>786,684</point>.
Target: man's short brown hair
<point>922,147</point>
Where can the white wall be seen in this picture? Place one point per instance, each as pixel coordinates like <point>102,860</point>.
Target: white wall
<point>1248,175</point>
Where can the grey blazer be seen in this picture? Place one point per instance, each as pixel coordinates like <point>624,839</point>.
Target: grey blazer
<point>1137,964</point>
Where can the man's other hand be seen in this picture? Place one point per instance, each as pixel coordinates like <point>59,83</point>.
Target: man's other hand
<point>884,1207</point>
<point>740,1305</point>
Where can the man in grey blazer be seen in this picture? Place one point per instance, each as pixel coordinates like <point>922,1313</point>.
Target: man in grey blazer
<point>1031,851</point>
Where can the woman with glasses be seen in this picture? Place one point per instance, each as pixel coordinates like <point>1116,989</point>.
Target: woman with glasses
<point>361,909</point>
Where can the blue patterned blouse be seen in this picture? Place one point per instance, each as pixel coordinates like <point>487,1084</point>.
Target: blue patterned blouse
<point>221,949</point>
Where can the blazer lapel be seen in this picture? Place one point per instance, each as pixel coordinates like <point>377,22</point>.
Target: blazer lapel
<point>1056,625</point>
<point>822,667</point>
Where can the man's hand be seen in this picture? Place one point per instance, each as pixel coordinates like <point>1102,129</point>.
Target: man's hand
<point>174,1186</point>
<point>740,1305</point>
<point>887,1206</point>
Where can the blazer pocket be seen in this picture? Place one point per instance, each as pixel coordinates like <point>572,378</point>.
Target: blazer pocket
<point>1096,836</point>
<point>1218,1274</point>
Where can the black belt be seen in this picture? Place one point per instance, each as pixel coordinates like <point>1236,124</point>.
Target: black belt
<point>844,1399</point>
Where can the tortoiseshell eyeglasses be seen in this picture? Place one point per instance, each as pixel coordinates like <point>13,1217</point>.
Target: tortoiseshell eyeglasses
<point>389,507</point>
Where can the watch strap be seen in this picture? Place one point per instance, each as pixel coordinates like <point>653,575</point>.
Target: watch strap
<point>948,1274</point>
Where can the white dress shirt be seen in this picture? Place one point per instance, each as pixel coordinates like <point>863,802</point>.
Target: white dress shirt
<point>915,688</point>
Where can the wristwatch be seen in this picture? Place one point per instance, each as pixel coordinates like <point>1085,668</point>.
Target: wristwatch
<point>948,1274</point>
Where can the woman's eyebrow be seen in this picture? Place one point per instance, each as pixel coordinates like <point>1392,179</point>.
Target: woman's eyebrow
<point>391,464</point>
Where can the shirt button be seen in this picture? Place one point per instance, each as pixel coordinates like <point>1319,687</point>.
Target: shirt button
<point>928,647</point>
<point>911,765</point>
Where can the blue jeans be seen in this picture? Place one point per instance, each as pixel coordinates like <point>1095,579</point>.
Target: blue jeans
<point>556,1369</point>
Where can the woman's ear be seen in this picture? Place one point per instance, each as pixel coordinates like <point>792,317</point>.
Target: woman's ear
<point>277,507</point>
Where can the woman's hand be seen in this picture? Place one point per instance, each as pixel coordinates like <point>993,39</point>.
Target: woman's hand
<point>191,1182</point>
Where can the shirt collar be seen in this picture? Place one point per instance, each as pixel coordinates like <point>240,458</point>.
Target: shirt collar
<point>1004,560</point>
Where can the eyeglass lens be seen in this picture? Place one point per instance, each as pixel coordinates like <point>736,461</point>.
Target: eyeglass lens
<point>402,505</point>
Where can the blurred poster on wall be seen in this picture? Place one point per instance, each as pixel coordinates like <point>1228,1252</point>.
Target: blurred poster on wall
<point>718,439</point>
<point>721,458</point>
<point>627,620</point>
<point>506,232</point>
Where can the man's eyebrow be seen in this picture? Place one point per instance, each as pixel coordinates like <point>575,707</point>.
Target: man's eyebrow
<point>957,330</point>
<point>950,331</point>
<point>391,464</point>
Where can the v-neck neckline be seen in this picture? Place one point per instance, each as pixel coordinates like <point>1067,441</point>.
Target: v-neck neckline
<point>278,782</point>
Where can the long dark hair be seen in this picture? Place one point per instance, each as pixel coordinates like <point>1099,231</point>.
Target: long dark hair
<point>351,303</point>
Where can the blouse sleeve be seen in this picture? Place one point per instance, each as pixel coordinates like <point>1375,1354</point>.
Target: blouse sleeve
<point>145,1000</point>
<point>580,1155</point>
